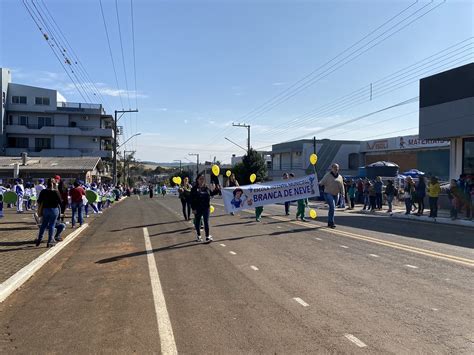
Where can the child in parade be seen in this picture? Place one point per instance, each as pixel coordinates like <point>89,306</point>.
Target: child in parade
<point>302,204</point>
<point>2,191</point>
<point>433,194</point>
<point>163,190</point>
<point>352,191</point>
<point>20,192</point>
<point>200,202</point>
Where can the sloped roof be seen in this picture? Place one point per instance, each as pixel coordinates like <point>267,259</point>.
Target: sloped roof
<point>52,164</point>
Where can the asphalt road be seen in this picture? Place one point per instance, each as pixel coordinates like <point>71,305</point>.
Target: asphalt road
<point>373,285</point>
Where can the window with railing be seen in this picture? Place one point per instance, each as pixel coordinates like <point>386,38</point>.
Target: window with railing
<point>45,121</point>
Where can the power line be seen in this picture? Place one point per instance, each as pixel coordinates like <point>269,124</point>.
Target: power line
<point>110,53</point>
<point>123,56</point>
<point>134,71</point>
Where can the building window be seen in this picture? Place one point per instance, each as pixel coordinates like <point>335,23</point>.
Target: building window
<point>354,161</point>
<point>42,101</point>
<point>23,120</point>
<point>42,143</point>
<point>44,121</point>
<point>10,120</point>
<point>19,100</point>
<point>18,142</point>
<point>468,156</point>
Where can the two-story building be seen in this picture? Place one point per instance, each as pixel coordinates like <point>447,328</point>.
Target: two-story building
<point>33,121</point>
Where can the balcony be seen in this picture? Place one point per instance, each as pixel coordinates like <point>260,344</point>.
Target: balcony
<point>80,107</point>
<point>59,130</point>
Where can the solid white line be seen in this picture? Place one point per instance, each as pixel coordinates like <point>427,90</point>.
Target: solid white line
<point>168,344</point>
<point>355,340</point>
<point>343,246</point>
<point>20,277</point>
<point>300,301</point>
<point>374,255</point>
<point>222,245</point>
<point>318,238</point>
<point>254,268</point>
<point>411,266</point>
<point>232,252</point>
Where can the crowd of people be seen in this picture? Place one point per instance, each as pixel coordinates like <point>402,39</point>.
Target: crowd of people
<point>49,200</point>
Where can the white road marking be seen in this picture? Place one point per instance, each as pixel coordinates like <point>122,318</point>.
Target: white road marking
<point>411,266</point>
<point>232,252</point>
<point>168,344</point>
<point>138,198</point>
<point>345,247</point>
<point>318,238</point>
<point>222,245</point>
<point>435,309</point>
<point>300,301</point>
<point>374,255</point>
<point>278,227</point>
<point>254,268</point>
<point>355,340</point>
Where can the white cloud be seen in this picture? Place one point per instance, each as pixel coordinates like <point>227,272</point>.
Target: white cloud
<point>186,121</point>
<point>278,83</point>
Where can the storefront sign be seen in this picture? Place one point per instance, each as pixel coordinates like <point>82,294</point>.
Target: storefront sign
<point>402,143</point>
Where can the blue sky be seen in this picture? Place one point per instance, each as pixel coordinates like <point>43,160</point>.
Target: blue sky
<point>202,65</point>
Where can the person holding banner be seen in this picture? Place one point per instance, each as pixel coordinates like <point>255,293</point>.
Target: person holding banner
<point>333,187</point>
<point>287,203</point>
<point>201,204</point>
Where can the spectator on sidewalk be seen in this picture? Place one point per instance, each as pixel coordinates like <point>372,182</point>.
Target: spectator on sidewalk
<point>409,191</point>
<point>352,192</point>
<point>390,192</point>
<point>360,191</point>
<point>433,194</point>
<point>50,201</point>
<point>77,193</point>
<point>333,187</point>
<point>366,195</point>
<point>378,186</point>
<point>372,196</point>
<point>455,196</point>
<point>465,187</point>
<point>420,190</point>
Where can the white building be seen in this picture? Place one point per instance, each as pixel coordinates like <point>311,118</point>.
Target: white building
<point>33,121</point>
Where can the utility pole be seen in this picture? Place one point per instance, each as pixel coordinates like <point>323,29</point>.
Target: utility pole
<point>314,145</point>
<point>114,177</point>
<point>248,134</point>
<point>179,164</point>
<point>197,163</point>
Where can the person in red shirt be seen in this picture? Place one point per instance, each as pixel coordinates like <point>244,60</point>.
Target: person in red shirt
<point>77,204</point>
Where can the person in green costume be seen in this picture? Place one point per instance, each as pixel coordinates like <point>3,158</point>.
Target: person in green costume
<point>302,204</point>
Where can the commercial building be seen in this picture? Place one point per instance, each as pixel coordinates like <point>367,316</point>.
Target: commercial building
<point>33,121</point>
<point>447,112</point>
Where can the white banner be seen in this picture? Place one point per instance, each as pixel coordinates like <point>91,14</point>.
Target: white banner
<point>256,195</point>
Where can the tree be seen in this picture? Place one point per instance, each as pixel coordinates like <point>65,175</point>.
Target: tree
<point>252,163</point>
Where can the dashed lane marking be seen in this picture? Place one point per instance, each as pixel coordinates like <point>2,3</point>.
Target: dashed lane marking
<point>374,255</point>
<point>232,252</point>
<point>411,266</point>
<point>318,238</point>
<point>222,245</point>
<point>355,340</point>
<point>300,301</point>
<point>254,268</point>
<point>165,330</point>
<point>345,247</point>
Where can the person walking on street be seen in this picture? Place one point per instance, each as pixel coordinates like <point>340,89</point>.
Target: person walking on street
<point>287,203</point>
<point>50,201</point>
<point>201,203</point>
<point>333,187</point>
<point>150,190</point>
<point>302,204</point>
<point>420,189</point>
<point>378,186</point>
<point>232,183</point>
<point>185,198</point>
<point>390,192</point>
<point>408,194</point>
<point>352,192</point>
<point>433,193</point>
<point>77,193</point>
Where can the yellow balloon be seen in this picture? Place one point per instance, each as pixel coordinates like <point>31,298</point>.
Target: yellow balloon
<point>312,213</point>
<point>178,180</point>
<point>174,179</point>
<point>216,170</point>
<point>228,173</point>
<point>211,209</point>
<point>313,158</point>
<point>253,177</point>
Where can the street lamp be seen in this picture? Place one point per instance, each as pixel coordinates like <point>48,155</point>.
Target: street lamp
<point>197,163</point>
<point>116,119</point>
<point>136,134</point>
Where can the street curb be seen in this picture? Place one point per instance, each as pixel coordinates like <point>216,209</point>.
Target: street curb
<point>20,277</point>
<point>438,220</point>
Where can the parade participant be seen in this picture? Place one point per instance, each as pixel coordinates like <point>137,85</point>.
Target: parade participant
<point>163,190</point>
<point>29,193</point>
<point>286,176</point>
<point>50,201</point>
<point>302,204</point>
<point>232,183</point>
<point>77,203</point>
<point>408,195</point>
<point>333,186</point>
<point>200,203</point>
<point>185,198</point>
<point>2,191</point>
<point>20,192</point>
<point>420,189</point>
<point>378,185</point>
<point>390,192</point>
<point>150,190</point>
<point>40,186</point>
<point>258,213</point>
<point>433,194</point>
<point>63,192</point>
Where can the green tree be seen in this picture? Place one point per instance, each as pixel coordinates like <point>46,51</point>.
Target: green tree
<point>252,163</point>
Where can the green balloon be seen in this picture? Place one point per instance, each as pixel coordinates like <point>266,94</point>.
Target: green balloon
<point>9,197</point>
<point>91,196</point>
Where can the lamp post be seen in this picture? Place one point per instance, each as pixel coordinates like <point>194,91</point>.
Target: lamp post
<point>197,163</point>
<point>116,147</point>
<point>248,134</point>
